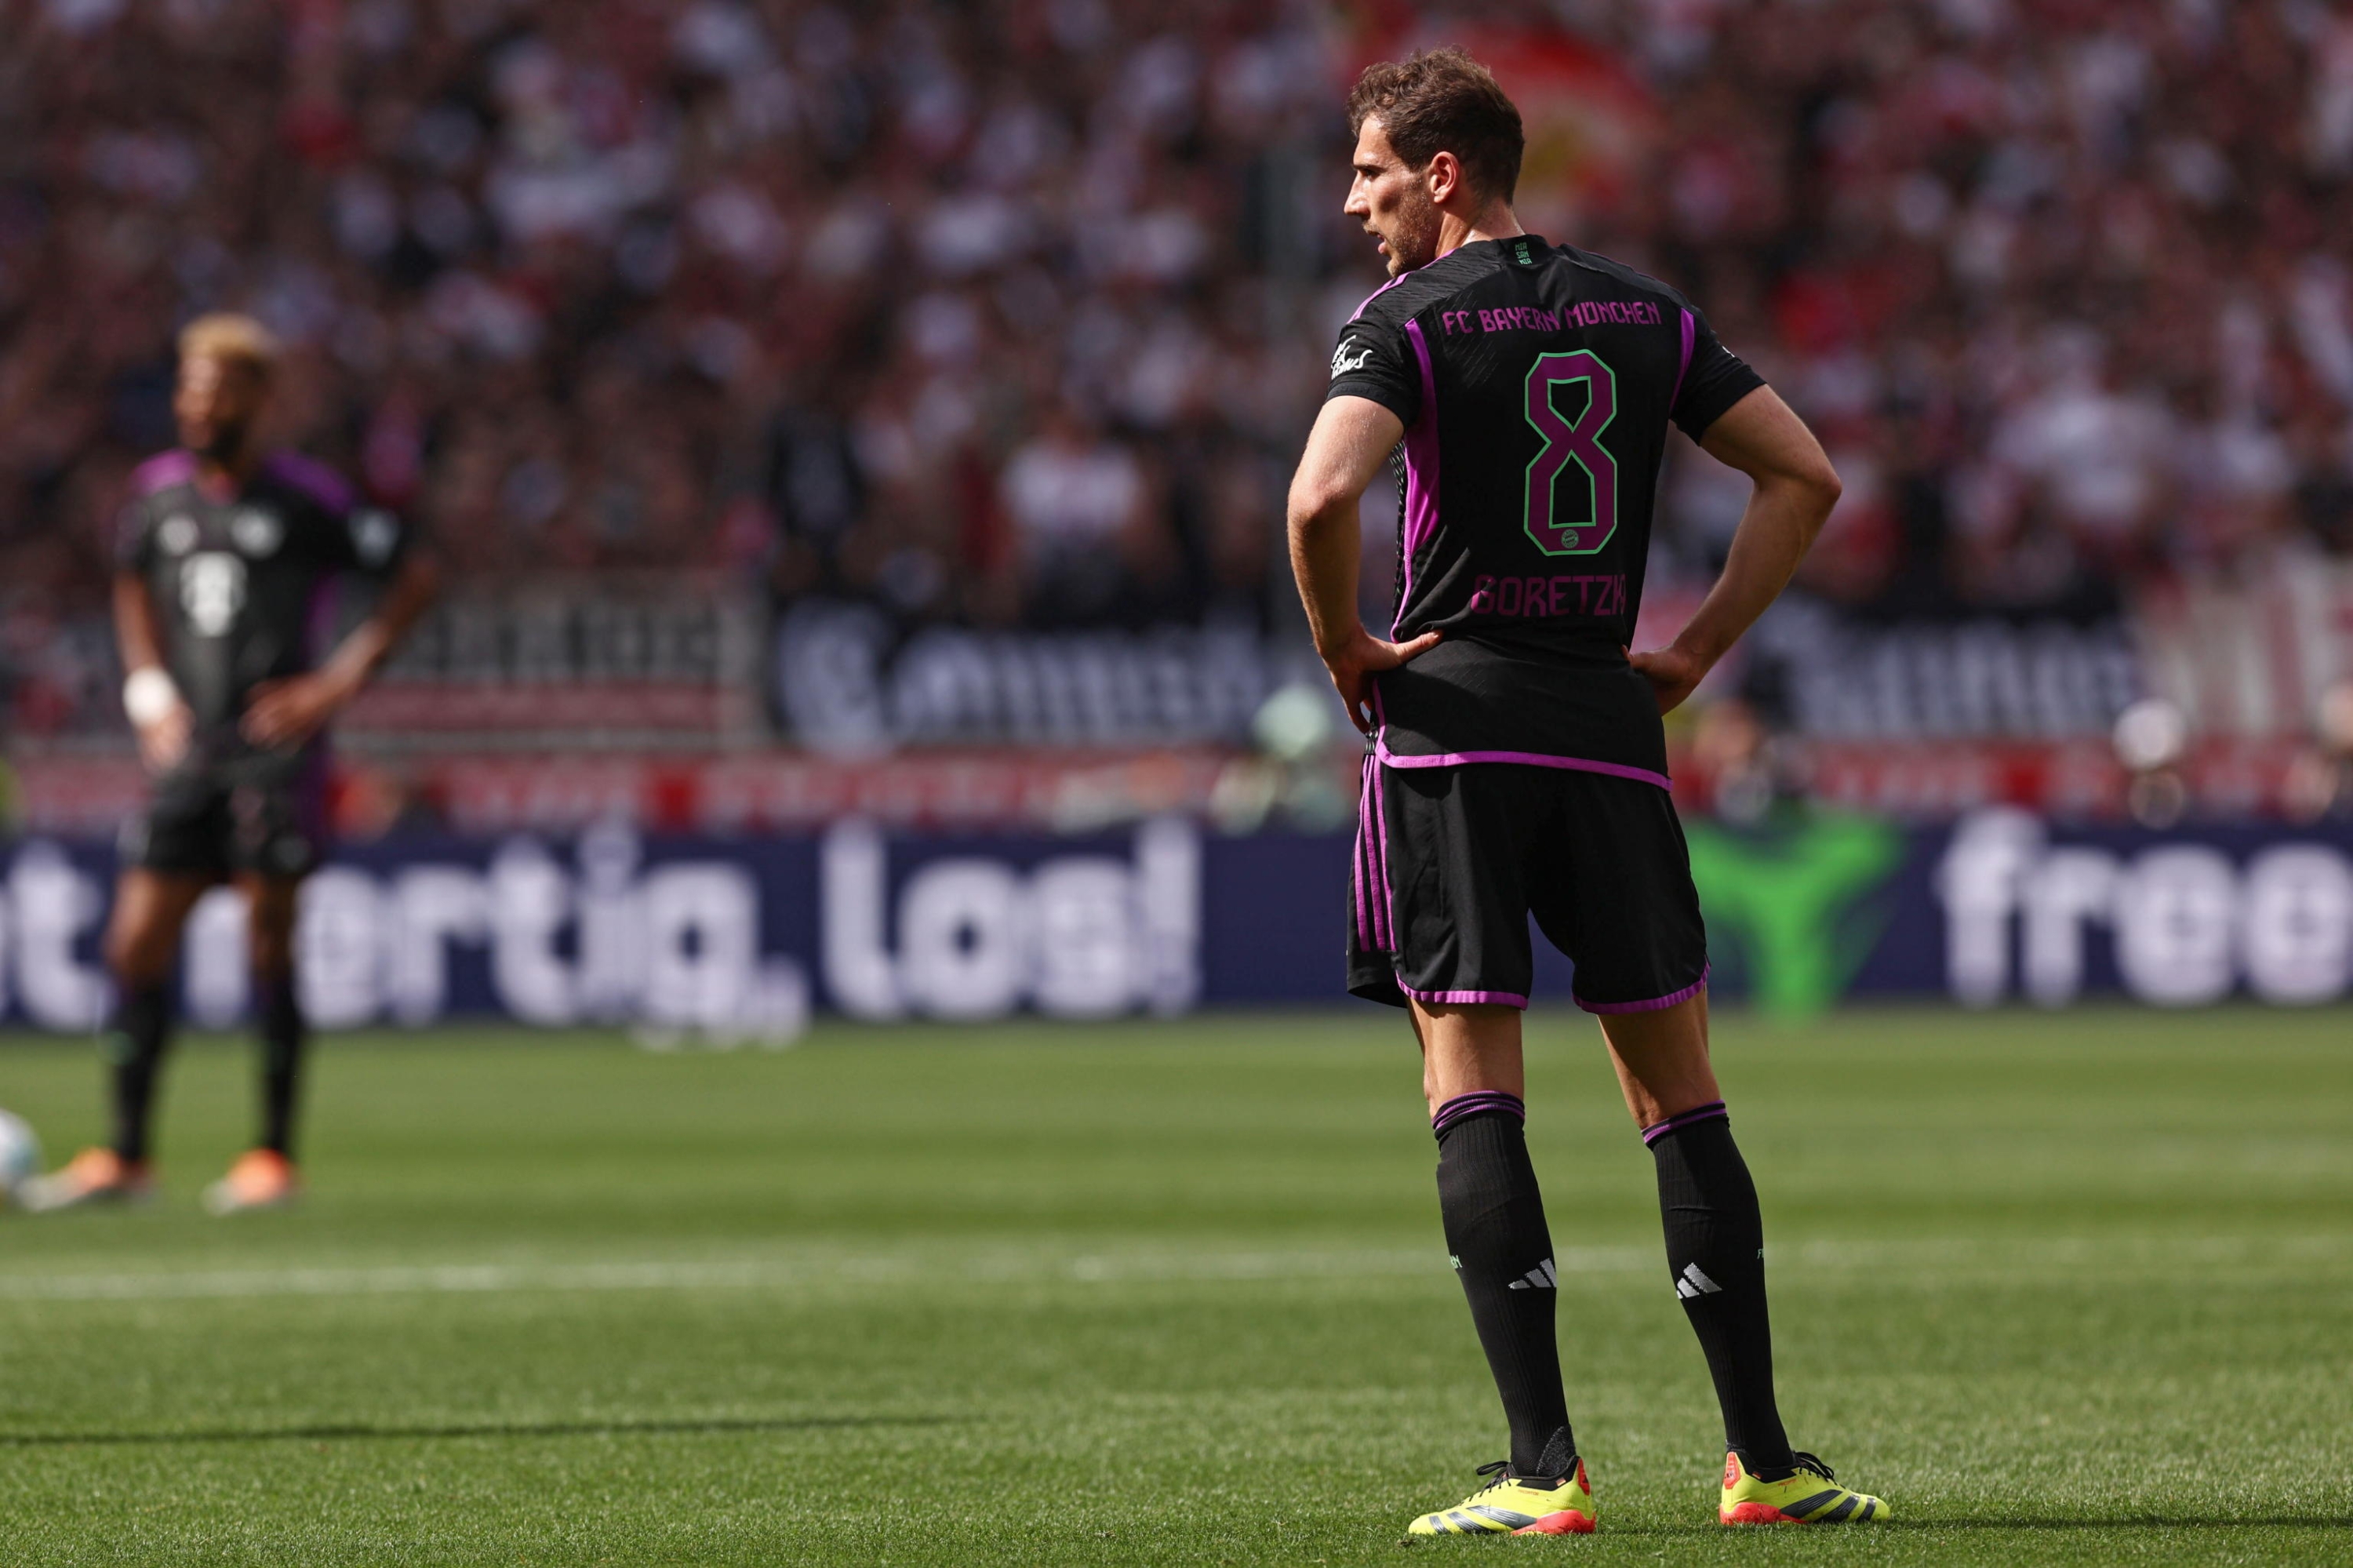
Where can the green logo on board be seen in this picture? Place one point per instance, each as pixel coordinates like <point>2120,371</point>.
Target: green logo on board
<point>1791,901</point>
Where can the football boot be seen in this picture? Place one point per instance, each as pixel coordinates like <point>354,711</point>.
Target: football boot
<point>94,1176</point>
<point>1515,1505</point>
<point>261,1179</point>
<point>1812,1496</point>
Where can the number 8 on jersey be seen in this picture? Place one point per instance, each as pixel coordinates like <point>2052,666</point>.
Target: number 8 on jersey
<point>1566,443</point>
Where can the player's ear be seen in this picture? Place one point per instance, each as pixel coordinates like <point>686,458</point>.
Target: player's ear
<point>1444,176</point>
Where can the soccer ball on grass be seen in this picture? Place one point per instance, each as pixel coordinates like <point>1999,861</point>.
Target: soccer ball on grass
<point>20,1155</point>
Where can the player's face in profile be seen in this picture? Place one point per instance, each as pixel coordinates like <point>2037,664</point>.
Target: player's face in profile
<point>215,404</point>
<point>1392,202</point>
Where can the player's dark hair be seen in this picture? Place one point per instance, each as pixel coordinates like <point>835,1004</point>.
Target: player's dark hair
<point>1442,101</point>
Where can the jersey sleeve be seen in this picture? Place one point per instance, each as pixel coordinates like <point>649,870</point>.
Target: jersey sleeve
<point>341,531</point>
<point>360,538</point>
<point>1375,361</point>
<point>1712,382</point>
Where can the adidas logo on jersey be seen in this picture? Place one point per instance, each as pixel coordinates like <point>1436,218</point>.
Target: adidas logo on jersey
<point>1540,1277</point>
<point>1695,1282</point>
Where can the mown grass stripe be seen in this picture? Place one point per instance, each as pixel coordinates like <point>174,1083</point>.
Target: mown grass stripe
<point>1979,1257</point>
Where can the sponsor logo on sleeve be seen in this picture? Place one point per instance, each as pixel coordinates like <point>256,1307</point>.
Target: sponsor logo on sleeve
<point>1344,361</point>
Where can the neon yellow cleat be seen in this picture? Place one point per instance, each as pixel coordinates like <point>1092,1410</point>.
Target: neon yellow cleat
<point>1812,1496</point>
<point>1510,1505</point>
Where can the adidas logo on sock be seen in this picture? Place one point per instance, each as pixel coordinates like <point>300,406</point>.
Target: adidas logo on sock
<point>1694,1282</point>
<point>1541,1277</point>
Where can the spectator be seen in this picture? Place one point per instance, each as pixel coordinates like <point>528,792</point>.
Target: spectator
<point>1078,506</point>
<point>2067,290</point>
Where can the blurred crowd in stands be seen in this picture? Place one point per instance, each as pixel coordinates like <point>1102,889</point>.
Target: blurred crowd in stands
<point>1016,314</point>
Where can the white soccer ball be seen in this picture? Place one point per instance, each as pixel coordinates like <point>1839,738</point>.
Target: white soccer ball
<point>20,1154</point>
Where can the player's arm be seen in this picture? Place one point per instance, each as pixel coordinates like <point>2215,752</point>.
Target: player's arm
<point>287,712</point>
<point>158,716</point>
<point>1795,489</point>
<point>1352,439</point>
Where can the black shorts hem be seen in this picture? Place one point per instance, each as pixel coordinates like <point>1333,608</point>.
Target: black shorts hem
<point>1651,1004</point>
<point>1390,992</point>
<point>219,868</point>
<point>1381,987</point>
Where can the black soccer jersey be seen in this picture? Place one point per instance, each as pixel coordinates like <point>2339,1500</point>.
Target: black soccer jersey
<point>1536,383</point>
<point>239,580</point>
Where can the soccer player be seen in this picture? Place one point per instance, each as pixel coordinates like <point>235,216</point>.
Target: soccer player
<point>1518,764</point>
<point>224,557</point>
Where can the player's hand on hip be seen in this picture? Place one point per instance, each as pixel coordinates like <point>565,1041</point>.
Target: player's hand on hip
<point>164,740</point>
<point>1673,674</point>
<point>286,713</point>
<point>1357,662</point>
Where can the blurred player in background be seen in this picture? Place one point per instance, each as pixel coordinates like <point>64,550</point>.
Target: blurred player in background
<point>1519,765</point>
<point>226,559</point>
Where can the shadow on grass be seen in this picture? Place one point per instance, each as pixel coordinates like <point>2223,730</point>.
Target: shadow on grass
<point>1930,1526</point>
<point>2134,1521</point>
<point>355,1431</point>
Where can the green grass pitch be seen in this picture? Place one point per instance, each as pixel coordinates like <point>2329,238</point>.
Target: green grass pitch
<point>2063,1287</point>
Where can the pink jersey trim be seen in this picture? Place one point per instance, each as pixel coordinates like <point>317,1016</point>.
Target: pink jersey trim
<point>1385,913</point>
<point>1420,519</point>
<point>1376,293</point>
<point>1682,367</point>
<point>1655,1004</point>
<point>1371,917</point>
<point>1528,758</point>
<point>312,478</point>
<point>1364,911</point>
<point>1466,998</point>
<point>164,470</point>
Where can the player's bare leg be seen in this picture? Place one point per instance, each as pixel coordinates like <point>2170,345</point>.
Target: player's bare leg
<point>264,1178</point>
<point>1662,1059</point>
<point>142,934</point>
<point>1468,1050</point>
<point>143,939</point>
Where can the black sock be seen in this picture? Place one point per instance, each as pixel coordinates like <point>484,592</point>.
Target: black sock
<point>136,1038</point>
<point>1715,1250</point>
<point>1495,1229</point>
<point>283,1036</point>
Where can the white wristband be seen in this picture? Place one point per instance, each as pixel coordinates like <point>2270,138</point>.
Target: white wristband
<point>149,696</point>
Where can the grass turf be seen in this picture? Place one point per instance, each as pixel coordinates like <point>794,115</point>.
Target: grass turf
<point>2061,1287</point>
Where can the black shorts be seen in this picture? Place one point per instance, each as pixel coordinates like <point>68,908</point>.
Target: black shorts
<point>257,812</point>
<point>1452,861</point>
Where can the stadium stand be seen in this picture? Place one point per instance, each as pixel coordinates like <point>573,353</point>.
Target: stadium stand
<point>979,340</point>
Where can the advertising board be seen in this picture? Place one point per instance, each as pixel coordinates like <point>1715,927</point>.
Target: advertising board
<point>739,939</point>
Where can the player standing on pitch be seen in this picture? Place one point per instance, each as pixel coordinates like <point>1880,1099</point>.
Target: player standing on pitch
<point>1518,764</point>
<point>224,559</point>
